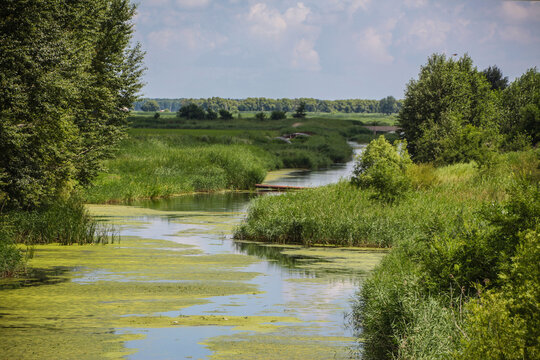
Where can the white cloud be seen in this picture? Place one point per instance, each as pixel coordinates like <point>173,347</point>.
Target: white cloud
<point>351,6</point>
<point>305,56</point>
<point>297,15</point>
<point>429,33</point>
<point>513,11</point>
<point>190,4</point>
<point>416,3</point>
<point>517,34</point>
<point>191,39</point>
<point>373,45</point>
<point>265,21</point>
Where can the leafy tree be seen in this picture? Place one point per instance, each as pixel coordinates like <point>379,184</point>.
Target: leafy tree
<point>68,76</point>
<point>278,115</point>
<point>383,167</point>
<point>157,115</point>
<point>448,107</point>
<point>388,105</point>
<point>150,105</point>
<point>211,115</point>
<point>191,111</point>
<point>225,114</point>
<point>261,116</point>
<point>521,103</point>
<point>300,112</point>
<point>495,77</point>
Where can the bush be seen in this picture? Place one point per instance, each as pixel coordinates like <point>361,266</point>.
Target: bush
<point>383,167</point>
<point>225,114</point>
<point>278,115</point>
<point>261,116</point>
<point>191,111</point>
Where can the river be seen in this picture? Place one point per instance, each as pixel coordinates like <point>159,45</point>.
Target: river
<point>194,293</point>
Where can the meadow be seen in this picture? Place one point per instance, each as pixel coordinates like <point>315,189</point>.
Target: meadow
<point>170,156</point>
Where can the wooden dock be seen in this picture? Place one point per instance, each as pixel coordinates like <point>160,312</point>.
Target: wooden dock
<point>278,187</point>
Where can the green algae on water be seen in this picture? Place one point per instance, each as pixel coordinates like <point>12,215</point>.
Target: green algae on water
<point>76,316</point>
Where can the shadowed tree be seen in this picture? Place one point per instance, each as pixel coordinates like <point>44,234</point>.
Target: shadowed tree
<point>495,77</point>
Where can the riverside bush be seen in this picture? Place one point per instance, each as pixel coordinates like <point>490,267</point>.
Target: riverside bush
<point>468,290</point>
<point>383,167</point>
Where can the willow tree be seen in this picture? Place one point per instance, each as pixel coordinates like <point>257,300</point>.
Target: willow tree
<point>68,74</point>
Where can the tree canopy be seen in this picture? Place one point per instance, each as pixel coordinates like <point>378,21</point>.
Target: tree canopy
<point>150,105</point>
<point>68,76</point>
<point>521,104</point>
<point>450,113</point>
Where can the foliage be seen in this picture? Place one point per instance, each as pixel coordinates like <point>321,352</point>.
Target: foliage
<point>64,94</point>
<point>449,114</point>
<point>191,111</point>
<point>11,258</point>
<point>225,114</point>
<point>521,103</point>
<point>150,105</point>
<point>261,116</point>
<point>388,105</point>
<point>504,323</point>
<point>278,115</point>
<point>469,289</point>
<point>495,78</point>
<point>300,111</point>
<point>348,106</point>
<point>383,168</point>
<point>151,164</point>
<point>211,115</point>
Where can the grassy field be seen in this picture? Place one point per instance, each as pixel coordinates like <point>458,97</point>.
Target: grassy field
<point>364,118</point>
<point>159,161</point>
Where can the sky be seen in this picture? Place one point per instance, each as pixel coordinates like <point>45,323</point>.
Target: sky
<point>325,49</point>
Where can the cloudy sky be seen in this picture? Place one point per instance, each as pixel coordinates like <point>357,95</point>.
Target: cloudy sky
<point>326,49</point>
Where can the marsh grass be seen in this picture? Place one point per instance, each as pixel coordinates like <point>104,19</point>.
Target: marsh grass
<point>65,222</point>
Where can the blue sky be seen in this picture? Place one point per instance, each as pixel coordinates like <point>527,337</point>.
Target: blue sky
<point>326,49</point>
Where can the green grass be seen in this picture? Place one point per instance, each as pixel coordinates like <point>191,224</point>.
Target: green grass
<point>464,241</point>
<point>164,165</point>
<point>164,157</point>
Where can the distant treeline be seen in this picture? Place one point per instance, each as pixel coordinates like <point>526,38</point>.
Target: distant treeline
<point>264,104</point>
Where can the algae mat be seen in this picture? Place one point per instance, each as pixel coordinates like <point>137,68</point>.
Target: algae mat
<point>148,298</point>
<point>81,294</point>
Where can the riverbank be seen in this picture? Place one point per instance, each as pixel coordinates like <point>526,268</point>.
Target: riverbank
<point>234,155</point>
<point>464,241</point>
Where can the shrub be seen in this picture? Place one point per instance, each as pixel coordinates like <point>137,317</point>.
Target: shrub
<point>383,167</point>
<point>261,116</point>
<point>278,115</point>
<point>225,114</point>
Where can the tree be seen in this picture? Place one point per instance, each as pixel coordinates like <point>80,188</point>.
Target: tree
<point>383,168</point>
<point>150,105</point>
<point>225,114</point>
<point>450,113</point>
<point>300,112</point>
<point>68,75</point>
<point>521,103</point>
<point>495,77</point>
<point>191,111</point>
<point>261,116</point>
<point>211,115</point>
<point>388,105</point>
<point>278,115</point>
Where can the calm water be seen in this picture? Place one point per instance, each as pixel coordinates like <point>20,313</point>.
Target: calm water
<point>320,298</point>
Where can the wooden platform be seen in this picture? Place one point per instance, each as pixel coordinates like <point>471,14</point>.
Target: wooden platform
<point>278,187</point>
